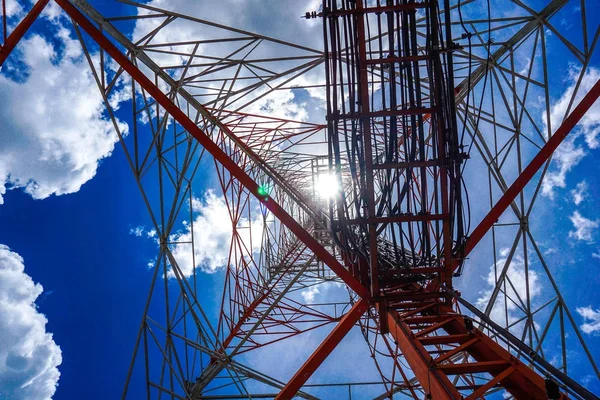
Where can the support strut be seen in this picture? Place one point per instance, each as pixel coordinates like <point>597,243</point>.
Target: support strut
<point>20,30</point>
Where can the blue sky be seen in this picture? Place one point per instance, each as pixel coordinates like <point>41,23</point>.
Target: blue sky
<point>76,238</point>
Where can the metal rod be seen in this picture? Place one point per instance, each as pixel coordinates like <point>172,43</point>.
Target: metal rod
<point>18,33</point>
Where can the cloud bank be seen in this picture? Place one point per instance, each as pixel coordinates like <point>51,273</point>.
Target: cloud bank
<point>29,357</point>
<point>54,132</point>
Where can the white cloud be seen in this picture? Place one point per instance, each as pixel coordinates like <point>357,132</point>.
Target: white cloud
<point>280,104</point>
<point>516,275</point>
<point>584,228</point>
<point>212,236</point>
<point>585,381</point>
<point>196,204</point>
<point>253,16</point>
<point>13,8</point>
<point>54,133</point>
<point>137,231</point>
<point>569,154</point>
<point>330,291</point>
<point>309,294</point>
<point>29,357</point>
<point>579,193</point>
<point>15,11</point>
<point>591,319</point>
<point>140,231</point>
<point>590,122</point>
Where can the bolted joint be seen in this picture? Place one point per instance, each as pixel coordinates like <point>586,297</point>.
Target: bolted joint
<point>162,242</point>
<point>524,224</point>
<point>456,46</point>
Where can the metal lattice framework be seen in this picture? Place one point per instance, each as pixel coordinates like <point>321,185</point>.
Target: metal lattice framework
<point>412,90</point>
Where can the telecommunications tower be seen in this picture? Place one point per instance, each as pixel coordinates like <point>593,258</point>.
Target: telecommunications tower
<point>437,132</point>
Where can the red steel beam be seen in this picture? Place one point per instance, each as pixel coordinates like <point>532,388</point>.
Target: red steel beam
<point>364,111</point>
<point>435,383</point>
<point>217,153</point>
<point>522,382</point>
<point>323,351</point>
<point>20,30</point>
<point>258,301</point>
<point>534,166</point>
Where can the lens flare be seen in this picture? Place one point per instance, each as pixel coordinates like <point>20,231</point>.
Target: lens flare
<point>327,186</point>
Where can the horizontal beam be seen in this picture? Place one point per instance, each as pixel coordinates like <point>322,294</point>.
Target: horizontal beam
<point>398,218</point>
<point>434,382</point>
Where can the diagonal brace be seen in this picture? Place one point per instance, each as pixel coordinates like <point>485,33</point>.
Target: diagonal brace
<point>324,350</point>
<point>18,33</point>
<point>534,166</point>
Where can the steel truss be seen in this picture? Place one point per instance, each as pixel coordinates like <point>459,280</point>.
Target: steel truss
<point>408,101</point>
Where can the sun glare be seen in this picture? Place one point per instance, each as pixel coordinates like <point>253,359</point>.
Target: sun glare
<point>326,186</point>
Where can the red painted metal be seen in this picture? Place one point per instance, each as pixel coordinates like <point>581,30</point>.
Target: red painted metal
<point>368,146</point>
<point>440,325</point>
<point>214,149</point>
<point>418,358</point>
<point>534,166</point>
<point>20,30</point>
<point>324,350</point>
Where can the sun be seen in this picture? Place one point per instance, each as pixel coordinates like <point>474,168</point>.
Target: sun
<point>327,186</point>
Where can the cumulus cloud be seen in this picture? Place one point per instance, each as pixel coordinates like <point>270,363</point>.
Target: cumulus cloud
<point>309,294</point>
<point>16,9</point>
<point>323,292</point>
<point>54,131</point>
<point>591,319</point>
<point>584,228</point>
<point>211,233</point>
<point>271,19</point>
<point>565,158</point>
<point>516,275</point>
<point>569,153</point>
<point>29,357</point>
<point>579,193</point>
